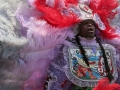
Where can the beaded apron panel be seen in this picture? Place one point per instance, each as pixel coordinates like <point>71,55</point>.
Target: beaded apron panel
<point>82,75</point>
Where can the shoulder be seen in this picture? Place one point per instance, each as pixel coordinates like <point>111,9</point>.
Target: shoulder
<point>70,42</point>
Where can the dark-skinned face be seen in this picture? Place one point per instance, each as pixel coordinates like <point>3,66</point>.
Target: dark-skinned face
<point>87,29</point>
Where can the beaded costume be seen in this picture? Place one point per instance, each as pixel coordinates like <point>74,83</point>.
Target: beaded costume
<point>48,58</point>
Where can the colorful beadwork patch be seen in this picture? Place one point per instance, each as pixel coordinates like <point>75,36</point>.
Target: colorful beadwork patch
<point>80,74</point>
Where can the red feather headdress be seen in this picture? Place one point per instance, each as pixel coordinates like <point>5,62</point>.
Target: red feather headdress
<point>62,16</point>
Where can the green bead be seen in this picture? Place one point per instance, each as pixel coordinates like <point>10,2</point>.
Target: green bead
<point>78,88</point>
<point>88,88</point>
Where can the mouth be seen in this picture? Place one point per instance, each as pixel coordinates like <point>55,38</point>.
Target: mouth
<point>90,30</point>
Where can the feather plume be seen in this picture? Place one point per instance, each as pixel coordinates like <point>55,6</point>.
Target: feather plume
<point>104,8</point>
<point>104,84</point>
<point>55,16</point>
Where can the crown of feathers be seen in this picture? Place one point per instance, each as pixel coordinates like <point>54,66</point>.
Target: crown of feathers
<point>64,13</point>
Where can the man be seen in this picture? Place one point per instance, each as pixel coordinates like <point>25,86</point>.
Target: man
<point>88,71</point>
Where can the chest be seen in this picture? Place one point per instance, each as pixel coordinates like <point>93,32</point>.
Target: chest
<point>80,74</point>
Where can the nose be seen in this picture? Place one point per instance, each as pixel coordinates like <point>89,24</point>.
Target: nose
<point>90,24</point>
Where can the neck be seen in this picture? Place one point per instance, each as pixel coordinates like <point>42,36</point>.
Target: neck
<point>88,38</point>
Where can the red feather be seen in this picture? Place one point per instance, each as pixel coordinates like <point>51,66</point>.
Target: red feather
<point>54,15</point>
<point>75,2</point>
<point>104,8</point>
<point>104,84</point>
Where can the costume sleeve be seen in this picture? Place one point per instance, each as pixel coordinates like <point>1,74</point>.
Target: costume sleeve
<point>40,49</point>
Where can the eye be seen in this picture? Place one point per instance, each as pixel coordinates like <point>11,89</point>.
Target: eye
<point>92,23</point>
<point>87,22</point>
<point>84,23</point>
